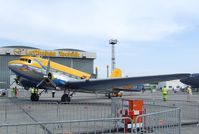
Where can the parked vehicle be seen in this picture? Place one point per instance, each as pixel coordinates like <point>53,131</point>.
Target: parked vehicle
<point>2,92</point>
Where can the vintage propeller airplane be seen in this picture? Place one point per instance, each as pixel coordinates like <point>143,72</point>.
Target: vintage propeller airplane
<point>48,75</point>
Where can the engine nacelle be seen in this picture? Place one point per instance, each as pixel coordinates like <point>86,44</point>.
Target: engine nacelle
<point>17,80</point>
<point>50,76</point>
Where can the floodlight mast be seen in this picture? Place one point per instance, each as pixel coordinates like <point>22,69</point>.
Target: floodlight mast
<point>113,42</point>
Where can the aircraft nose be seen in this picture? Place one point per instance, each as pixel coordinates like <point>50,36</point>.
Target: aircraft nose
<point>11,65</point>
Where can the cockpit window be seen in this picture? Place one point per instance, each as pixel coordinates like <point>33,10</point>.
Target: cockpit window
<point>24,59</point>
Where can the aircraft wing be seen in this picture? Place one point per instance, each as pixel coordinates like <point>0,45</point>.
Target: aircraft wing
<point>103,84</point>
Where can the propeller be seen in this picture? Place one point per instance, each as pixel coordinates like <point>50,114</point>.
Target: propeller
<point>16,80</point>
<point>12,83</point>
<point>47,76</point>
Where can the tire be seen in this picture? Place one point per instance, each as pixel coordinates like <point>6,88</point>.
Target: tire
<point>68,99</point>
<point>34,97</point>
<point>65,98</point>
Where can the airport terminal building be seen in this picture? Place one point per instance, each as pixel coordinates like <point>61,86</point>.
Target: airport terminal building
<point>74,58</point>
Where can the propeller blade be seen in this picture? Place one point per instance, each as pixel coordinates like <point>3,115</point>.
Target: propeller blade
<point>40,64</point>
<point>12,83</point>
<point>45,68</point>
<point>41,82</point>
<point>46,75</point>
<point>52,83</point>
<point>48,68</point>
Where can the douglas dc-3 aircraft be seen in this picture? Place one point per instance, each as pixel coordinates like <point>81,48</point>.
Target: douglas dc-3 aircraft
<point>45,74</point>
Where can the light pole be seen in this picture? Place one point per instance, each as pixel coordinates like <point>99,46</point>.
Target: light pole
<point>113,42</point>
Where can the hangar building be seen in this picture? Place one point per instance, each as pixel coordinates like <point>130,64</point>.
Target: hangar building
<point>74,58</point>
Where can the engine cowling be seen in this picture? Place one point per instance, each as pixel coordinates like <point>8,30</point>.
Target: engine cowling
<point>17,79</point>
<point>50,76</point>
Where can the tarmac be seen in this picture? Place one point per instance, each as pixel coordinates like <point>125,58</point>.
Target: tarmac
<point>189,108</point>
<point>87,106</point>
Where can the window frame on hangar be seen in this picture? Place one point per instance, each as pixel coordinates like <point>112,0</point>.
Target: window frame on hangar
<point>75,58</point>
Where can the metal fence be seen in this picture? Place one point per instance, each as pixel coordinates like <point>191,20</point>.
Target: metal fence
<point>46,111</point>
<point>22,93</point>
<point>104,125</point>
<point>156,123</point>
<point>41,112</point>
<point>164,122</point>
<point>43,117</point>
<point>189,110</point>
<point>148,107</point>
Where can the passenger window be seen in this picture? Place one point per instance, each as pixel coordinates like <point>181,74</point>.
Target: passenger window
<point>22,59</point>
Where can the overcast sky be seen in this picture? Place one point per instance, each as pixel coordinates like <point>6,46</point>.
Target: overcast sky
<point>155,36</point>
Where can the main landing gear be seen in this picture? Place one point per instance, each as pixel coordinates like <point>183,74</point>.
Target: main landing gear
<point>34,94</point>
<point>114,94</point>
<point>66,97</point>
<point>34,97</point>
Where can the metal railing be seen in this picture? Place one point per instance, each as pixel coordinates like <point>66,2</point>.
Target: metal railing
<point>42,117</point>
<point>189,110</point>
<point>168,121</point>
<point>104,125</point>
<point>41,112</point>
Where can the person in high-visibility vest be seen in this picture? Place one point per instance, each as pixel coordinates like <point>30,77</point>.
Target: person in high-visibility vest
<point>35,90</point>
<point>164,93</point>
<point>189,91</point>
<point>14,91</point>
<point>32,91</point>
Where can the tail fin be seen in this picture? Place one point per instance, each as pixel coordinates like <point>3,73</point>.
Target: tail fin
<point>116,73</point>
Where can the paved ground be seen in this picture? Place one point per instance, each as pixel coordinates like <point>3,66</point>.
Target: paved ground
<point>190,108</point>
<point>85,106</point>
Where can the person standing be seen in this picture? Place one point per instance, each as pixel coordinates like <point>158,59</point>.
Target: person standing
<point>32,91</point>
<point>53,94</point>
<point>189,93</point>
<point>14,92</point>
<point>164,93</point>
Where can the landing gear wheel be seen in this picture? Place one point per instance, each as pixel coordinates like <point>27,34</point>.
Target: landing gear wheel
<point>65,98</point>
<point>34,97</point>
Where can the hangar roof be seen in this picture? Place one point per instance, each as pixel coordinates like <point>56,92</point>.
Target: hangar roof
<point>26,47</point>
<point>64,52</point>
<point>65,49</point>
